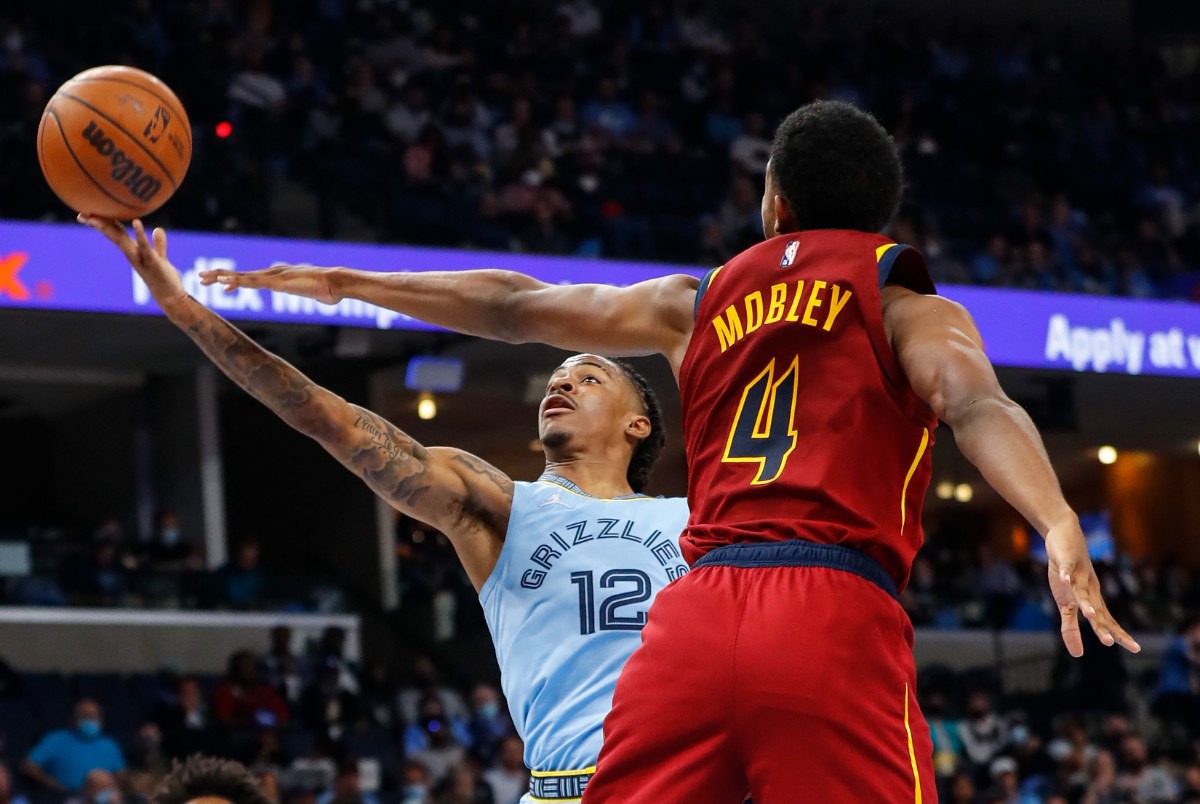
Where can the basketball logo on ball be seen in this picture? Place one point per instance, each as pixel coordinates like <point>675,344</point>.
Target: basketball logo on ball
<point>114,141</point>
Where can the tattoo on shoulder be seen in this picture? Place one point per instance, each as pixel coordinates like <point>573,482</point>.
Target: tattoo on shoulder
<point>476,466</point>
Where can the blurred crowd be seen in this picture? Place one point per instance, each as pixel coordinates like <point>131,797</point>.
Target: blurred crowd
<point>314,726</point>
<point>639,130</point>
<point>113,568</point>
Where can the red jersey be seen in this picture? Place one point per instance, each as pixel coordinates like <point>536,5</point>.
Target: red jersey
<point>797,419</point>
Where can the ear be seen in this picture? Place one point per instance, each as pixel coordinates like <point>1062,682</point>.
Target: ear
<point>785,220</point>
<point>639,427</point>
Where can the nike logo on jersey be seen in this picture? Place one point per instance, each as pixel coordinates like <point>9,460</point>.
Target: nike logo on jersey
<point>554,499</point>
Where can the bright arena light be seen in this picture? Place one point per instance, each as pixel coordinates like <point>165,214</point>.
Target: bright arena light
<point>964,493</point>
<point>426,408</point>
<point>945,490</point>
<point>1107,455</point>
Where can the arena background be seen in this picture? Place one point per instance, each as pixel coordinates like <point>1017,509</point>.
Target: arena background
<point>1053,182</point>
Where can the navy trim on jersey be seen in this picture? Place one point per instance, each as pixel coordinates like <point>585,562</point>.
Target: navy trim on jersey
<point>704,283</point>
<point>915,278</point>
<point>799,553</point>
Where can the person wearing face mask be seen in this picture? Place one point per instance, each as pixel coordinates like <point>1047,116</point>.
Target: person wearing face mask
<point>489,723</point>
<point>99,787</point>
<point>62,759</point>
<point>415,789</point>
<point>168,550</point>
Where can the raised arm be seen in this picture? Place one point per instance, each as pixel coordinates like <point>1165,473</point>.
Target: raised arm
<point>647,318</point>
<point>941,353</point>
<point>464,497</point>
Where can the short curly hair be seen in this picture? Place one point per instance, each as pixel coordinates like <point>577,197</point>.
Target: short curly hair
<point>837,168</point>
<point>648,450</point>
<point>208,777</point>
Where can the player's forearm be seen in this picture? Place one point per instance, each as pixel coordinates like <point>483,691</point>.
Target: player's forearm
<point>480,303</point>
<point>389,461</point>
<point>265,376</point>
<point>999,438</point>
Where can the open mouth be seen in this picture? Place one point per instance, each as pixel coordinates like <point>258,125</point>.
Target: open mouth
<point>556,403</point>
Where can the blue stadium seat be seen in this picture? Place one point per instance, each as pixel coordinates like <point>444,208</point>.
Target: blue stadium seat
<point>372,744</point>
<point>298,742</point>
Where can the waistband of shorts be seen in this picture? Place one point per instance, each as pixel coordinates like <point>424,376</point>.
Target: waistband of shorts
<point>799,553</point>
<point>559,785</point>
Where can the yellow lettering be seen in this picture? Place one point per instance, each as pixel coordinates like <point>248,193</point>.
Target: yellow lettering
<point>754,311</point>
<point>814,301</point>
<point>775,310</point>
<point>791,316</point>
<point>836,304</point>
<point>731,332</point>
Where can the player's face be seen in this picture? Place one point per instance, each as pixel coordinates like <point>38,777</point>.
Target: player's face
<point>588,401</point>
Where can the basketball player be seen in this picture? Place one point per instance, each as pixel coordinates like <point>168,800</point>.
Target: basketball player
<point>565,567</point>
<point>813,368</point>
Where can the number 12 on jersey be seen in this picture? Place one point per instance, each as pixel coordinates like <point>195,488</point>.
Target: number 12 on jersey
<point>764,428</point>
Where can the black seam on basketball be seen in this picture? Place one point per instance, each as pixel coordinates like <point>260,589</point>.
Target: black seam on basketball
<point>122,129</point>
<point>82,169</point>
<point>165,101</point>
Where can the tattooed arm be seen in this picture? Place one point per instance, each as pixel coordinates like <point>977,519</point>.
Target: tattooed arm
<point>459,494</point>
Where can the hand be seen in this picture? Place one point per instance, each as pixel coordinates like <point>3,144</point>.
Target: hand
<point>299,280</point>
<point>150,262</point>
<point>1076,589</point>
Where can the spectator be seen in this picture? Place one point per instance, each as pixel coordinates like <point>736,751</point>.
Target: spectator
<point>148,760</point>
<point>327,705</point>
<point>489,722</point>
<point>961,789</point>
<point>1190,794</point>
<point>168,550</point>
<point>7,796</point>
<point>243,700</point>
<point>982,732</point>
<point>213,781</point>
<point>62,759</point>
<point>1177,695</point>
<point>510,778</point>
<point>1103,786</point>
<point>432,741</point>
<point>751,150</point>
<point>426,679</point>
<point>347,788</point>
<point>242,584</point>
<point>99,579</point>
<point>381,698</point>
<point>184,721</point>
<point>1149,783</point>
<point>464,786</point>
<point>1005,784</point>
<point>99,787</point>
<point>417,784</point>
<point>281,668</point>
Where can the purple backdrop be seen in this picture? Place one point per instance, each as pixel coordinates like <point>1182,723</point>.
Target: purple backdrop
<point>64,267</point>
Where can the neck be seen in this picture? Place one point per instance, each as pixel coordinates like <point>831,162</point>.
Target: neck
<point>599,478</point>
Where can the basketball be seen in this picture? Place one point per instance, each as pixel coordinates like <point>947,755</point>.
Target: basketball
<point>114,141</point>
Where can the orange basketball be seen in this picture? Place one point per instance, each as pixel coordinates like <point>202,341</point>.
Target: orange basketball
<point>114,141</point>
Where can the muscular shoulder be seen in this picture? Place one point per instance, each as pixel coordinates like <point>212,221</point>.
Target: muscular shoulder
<point>908,315</point>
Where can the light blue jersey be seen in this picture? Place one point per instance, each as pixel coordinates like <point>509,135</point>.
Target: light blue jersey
<point>566,604</point>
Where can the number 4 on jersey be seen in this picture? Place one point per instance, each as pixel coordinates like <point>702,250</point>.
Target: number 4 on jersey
<point>764,429</point>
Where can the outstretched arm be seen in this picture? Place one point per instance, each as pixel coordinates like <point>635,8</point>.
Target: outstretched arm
<point>647,318</point>
<point>942,355</point>
<point>455,492</point>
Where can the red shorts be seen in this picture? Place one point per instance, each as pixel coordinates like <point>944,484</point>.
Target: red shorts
<point>783,669</point>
